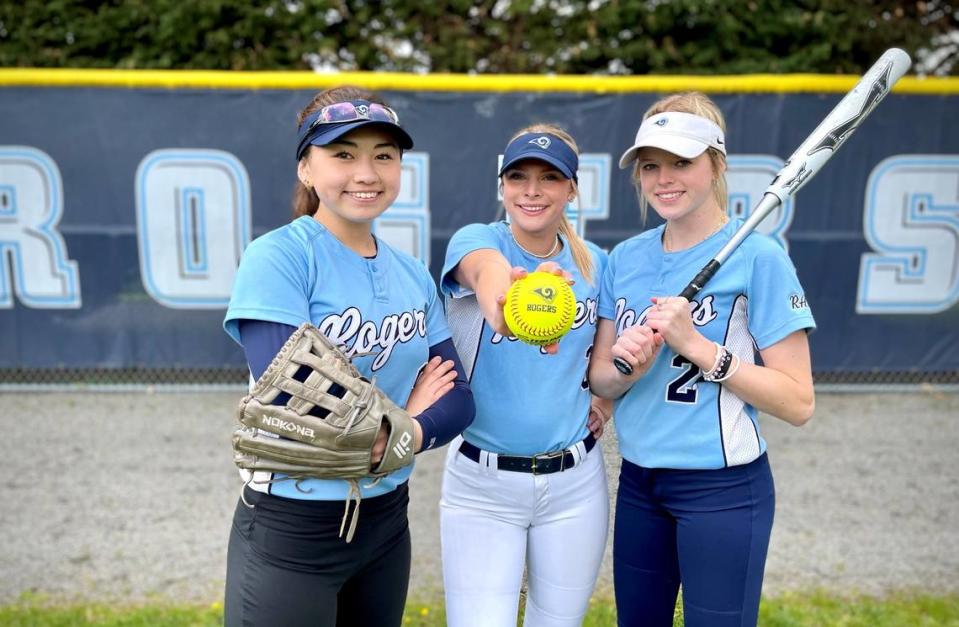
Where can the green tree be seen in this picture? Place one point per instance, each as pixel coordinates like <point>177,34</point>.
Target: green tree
<point>487,36</point>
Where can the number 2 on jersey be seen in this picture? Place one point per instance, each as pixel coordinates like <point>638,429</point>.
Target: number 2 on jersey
<point>682,389</point>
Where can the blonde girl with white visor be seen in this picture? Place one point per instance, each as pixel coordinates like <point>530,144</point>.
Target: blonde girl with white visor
<point>696,498</point>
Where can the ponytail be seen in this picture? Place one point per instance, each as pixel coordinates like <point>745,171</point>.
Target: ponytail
<point>578,249</point>
<point>305,201</point>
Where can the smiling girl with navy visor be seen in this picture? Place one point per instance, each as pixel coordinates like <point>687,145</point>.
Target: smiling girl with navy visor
<point>327,267</point>
<point>543,147</point>
<point>332,121</point>
<point>526,487</point>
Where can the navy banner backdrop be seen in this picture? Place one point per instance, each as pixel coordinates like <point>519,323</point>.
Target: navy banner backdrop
<point>123,213</point>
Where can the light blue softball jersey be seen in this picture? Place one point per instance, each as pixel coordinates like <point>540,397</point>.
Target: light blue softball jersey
<point>527,402</point>
<point>387,305</point>
<point>671,418</point>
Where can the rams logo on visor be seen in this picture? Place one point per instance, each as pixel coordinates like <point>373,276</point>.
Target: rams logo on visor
<point>363,110</point>
<point>662,122</point>
<point>542,141</point>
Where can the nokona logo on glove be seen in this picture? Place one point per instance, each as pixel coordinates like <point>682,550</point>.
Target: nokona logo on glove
<point>285,425</point>
<point>329,425</point>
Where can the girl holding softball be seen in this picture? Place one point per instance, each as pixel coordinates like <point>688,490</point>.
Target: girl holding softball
<point>526,485</point>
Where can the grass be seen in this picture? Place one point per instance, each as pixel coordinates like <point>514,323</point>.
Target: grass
<point>813,609</point>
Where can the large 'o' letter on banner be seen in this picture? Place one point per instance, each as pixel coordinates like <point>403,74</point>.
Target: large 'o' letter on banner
<point>31,247</point>
<point>193,222</point>
<point>911,220</point>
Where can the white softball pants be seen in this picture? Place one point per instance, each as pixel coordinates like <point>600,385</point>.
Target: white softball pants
<point>493,523</point>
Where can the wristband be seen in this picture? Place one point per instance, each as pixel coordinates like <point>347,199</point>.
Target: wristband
<point>720,369</point>
<point>731,370</point>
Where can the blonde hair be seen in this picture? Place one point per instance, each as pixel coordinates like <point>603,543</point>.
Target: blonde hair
<point>696,103</point>
<point>577,247</point>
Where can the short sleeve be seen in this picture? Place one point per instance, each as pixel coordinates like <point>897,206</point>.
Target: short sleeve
<point>600,261</point>
<point>777,303</point>
<point>272,284</point>
<point>607,308</point>
<point>466,240</point>
<point>436,328</point>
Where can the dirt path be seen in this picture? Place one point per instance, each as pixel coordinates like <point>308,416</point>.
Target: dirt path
<point>129,496</point>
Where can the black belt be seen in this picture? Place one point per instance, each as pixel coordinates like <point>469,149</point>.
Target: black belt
<point>542,464</point>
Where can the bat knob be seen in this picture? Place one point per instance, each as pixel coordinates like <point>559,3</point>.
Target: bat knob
<point>622,366</point>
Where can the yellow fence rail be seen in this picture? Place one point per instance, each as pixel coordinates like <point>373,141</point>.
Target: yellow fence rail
<point>397,81</point>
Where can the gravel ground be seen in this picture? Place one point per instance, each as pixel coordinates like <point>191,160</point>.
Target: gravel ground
<point>113,496</point>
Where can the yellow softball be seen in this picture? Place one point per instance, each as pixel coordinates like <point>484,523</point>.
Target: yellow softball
<point>540,308</point>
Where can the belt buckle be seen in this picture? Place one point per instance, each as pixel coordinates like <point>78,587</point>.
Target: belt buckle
<point>547,456</point>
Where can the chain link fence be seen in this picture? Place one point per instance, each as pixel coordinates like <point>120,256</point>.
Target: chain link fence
<point>96,377</point>
<point>12,378</point>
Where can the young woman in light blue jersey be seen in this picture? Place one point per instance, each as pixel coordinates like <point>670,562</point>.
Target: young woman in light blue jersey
<point>696,498</point>
<point>526,487</point>
<point>288,563</point>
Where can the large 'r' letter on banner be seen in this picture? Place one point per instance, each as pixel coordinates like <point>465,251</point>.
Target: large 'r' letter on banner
<point>747,177</point>
<point>31,247</point>
<point>193,223</point>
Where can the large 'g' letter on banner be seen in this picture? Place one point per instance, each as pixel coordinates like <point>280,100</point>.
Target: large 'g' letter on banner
<point>193,222</point>
<point>31,248</point>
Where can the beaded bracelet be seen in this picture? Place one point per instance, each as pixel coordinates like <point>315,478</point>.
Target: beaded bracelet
<point>716,359</point>
<point>720,369</point>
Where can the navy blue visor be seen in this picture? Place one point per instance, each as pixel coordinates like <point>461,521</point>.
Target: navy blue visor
<point>542,147</point>
<point>328,124</point>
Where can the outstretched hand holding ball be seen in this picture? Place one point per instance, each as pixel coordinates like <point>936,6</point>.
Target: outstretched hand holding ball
<point>540,308</point>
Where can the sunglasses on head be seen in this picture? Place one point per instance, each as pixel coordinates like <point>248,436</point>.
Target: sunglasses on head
<point>353,111</point>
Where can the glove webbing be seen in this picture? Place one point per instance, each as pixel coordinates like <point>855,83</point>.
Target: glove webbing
<point>310,392</point>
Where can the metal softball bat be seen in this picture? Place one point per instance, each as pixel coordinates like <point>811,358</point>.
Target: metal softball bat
<point>809,158</point>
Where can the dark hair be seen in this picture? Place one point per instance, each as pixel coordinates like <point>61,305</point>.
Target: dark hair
<point>305,200</point>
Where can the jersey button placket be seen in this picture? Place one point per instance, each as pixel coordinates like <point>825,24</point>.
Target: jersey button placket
<point>665,269</point>
<point>378,281</point>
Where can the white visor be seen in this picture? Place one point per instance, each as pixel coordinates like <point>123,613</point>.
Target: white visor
<point>682,134</point>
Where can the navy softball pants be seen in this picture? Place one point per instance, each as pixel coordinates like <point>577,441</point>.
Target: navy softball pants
<point>287,565</point>
<point>705,529</point>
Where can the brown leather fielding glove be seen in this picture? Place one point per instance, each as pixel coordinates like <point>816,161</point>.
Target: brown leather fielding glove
<point>328,426</point>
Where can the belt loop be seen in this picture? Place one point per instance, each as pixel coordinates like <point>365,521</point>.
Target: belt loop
<point>489,461</point>
<point>578,451</point>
